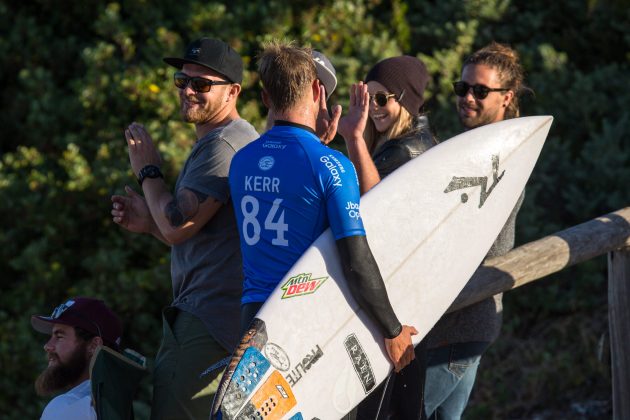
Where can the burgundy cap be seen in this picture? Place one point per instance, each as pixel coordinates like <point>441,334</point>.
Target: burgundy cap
<point>89,314</point>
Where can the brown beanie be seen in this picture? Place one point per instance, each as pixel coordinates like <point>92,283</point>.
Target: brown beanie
<point>402,73</point>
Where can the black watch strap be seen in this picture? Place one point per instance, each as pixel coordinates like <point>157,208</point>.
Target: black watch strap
<point>149,171</point>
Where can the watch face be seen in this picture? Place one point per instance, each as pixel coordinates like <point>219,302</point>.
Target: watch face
<point>152,172</point>
<point>149,171</point>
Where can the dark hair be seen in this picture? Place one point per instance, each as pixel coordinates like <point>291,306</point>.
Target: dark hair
<point>286,71</point>
<point>506,61</point>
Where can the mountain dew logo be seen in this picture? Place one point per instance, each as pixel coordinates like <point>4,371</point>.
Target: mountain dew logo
<point>301,285</point>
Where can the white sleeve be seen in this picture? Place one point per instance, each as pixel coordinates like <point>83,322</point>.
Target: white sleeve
<point>61,408</point>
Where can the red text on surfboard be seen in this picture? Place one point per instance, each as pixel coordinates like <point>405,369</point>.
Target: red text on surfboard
<point>301,285</point>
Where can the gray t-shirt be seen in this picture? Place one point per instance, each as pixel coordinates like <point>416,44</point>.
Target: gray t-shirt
<point>206,270</point>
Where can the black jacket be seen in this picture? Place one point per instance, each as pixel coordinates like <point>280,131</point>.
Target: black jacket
<point>395,152</point>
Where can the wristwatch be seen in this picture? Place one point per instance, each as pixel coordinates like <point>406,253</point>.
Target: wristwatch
<point>149,171</point>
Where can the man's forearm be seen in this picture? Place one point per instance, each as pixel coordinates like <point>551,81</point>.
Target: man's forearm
<point>366,284</point>
<point>158,198</point>
<point>155,231</point>
<point>178,217</point>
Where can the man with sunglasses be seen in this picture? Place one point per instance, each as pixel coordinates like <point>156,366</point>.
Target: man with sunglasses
<point>491,80</point>
<point>486,92</point>
<point>201,325</point>
<point>76,328</point>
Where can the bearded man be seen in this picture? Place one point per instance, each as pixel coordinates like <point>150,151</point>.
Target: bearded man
<point>488,92</point>
<point>201,325</point>
<point>77,328</point>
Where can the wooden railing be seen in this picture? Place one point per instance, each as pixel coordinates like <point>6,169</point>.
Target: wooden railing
<point>535,260</point>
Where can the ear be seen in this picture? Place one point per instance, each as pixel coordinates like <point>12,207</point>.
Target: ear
<point>95,343</point>
<point>315,88</point>
<point>507,98</point>
<point>265,98</point>
<point>234,91</point>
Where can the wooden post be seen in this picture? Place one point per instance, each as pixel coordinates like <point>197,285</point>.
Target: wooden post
<point>619,323</point>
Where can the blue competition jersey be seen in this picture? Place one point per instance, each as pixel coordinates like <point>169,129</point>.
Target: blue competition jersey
<point>287,188</point>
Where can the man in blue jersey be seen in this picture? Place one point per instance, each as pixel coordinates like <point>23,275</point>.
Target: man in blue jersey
<point>288,188</point>
<point>327,121</point>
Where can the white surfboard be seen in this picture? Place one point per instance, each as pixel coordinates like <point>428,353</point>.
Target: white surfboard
<point>311,351</point>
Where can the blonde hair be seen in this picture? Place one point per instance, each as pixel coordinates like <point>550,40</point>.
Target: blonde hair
<point>286,72</point>
<point>403,124</point>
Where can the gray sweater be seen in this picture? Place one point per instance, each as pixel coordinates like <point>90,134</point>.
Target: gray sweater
<point>481,321</point>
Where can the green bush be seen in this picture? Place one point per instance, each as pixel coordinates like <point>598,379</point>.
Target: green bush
<point>75,74</point>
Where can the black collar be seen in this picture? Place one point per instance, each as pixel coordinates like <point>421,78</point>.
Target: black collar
<point>292,124</point>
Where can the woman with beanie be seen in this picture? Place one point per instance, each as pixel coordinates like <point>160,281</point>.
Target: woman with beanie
<point>384,127</point>
<point>383,130</point>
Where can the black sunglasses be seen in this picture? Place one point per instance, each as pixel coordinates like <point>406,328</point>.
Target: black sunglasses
<point>198,84</point>
<point>381,98</point>
<point>461,89</point>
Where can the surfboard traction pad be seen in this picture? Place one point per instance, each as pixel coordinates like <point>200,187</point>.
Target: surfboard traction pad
<point>273,399</point>
<point>248,366</point>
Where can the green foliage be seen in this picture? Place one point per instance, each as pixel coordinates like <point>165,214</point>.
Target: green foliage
<point>75,74</point>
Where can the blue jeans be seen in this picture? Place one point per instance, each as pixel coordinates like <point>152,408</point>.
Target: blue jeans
<point>451,372</point>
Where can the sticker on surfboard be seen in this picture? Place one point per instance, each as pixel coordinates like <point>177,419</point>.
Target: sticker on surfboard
<point>461,182</point>
<point>360,362</point>
<point>301,285</point>
<point>248,373</point>
<point>230,395</point>
<point>271,401</point>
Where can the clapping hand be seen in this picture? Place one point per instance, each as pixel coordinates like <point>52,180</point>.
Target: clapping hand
<point>131,212</point>
<point>142,151</point>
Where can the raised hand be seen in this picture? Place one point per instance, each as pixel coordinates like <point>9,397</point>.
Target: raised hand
<point>142,151</point>
<point>325,126</point>
<point>131,212</point>
<point>352,125</point>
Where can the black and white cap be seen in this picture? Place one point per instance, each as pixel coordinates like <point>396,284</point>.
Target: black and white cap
<point>325,72</point>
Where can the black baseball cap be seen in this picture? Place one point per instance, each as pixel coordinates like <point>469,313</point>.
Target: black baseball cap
<point>89,314</point>
<point>213,54</point>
